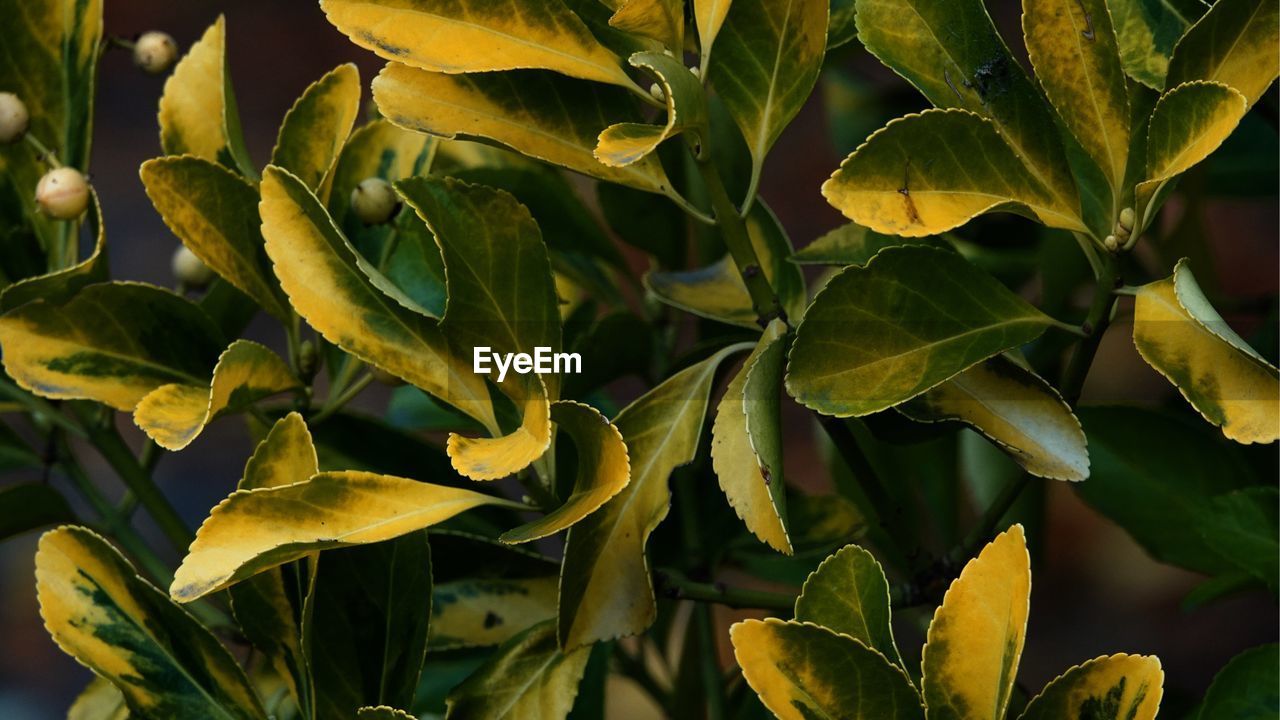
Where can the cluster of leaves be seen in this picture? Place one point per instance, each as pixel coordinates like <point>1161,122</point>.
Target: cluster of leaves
<point>321,554</point>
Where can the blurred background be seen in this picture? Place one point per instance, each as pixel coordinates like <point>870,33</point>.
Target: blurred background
<point>1095,591</point>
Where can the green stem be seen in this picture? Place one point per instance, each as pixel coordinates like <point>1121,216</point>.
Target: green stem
<point>675,585</point>
<point>1094,327</point>
<point>334,404</point>
<point>46,155</point>
<point>888,512</point>
<point>40,406</point>
<point>704,623</point>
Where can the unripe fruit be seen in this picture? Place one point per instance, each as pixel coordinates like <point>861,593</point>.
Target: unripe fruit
<point>63,193</point>
<point>13,118</point>
<point>155,52</point>
<point>374,201</point>
<point>1111,243</point>
<point>1127,218</point>
<point>189,269</point>
<point>656,91</point>
<point>308,360</point>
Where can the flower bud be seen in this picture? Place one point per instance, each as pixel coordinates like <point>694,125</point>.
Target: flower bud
<point>308,360</point>
<point>190,269</point>
<point>374,201</point>
<point>656,91</point>
<point>1127,218</point>
<point>63,193</point>
<point>155,52</point>
<point>13,118</point>
<point>1111,243</point>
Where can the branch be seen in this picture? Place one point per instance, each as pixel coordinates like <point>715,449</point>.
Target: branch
<point>675,585</point>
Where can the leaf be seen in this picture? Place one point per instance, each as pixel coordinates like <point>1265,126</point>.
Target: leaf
<point>256,530</point>
<point>1015,409</point>
<point>377,149</point>
<point>976,637</point>
<point>909,179</point>
<point>382,712</point>
<point>494,458</point>
<point>913,318</point>
<point>1242,527</point>
<point>841,29</point>
<point>953,55</point>
<point>174,415</point>
<point>215,214</point>
<point>1119,687</point>
<point>627,143</point>
<point>112,342</point>
<point>717,291</point>
<point>316,127</point>
<point>605,588</point>
<point>286,456</point>
<point>1235,43</point>
<point>29,505</point>
<point>528,676</point>
<point>540,115</point>
<point>802,671</point>
<point>709,15</point>
<point>1188,124</point>
<point>370,610</point>
<point>768,59</point>
<point>1245,689</point>
<point>603,470</point>
<point>318,270</point>
<point>100,700</point>
<point>1147,30</point>
<point>661,20</point>
<point>1074,51</point>
<point>61,284</point>
<point>472,36</point>
<point>1179,334</point>
<point>746,441</point>
<point>853,244</point>
<point>848,594</point>
<point>198,114</point>
<point>101,613</point>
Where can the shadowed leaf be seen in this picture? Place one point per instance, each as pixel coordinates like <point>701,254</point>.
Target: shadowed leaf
<point>1236,43</point>
<point>1119,687</point>
<point>527,676</point>
<point>849,594</point>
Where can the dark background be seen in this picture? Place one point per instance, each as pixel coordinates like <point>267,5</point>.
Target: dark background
<point>1095,592</point>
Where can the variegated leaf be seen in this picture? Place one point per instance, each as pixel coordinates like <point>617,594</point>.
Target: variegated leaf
<point>1119,687</point>
<point>527,676</point>
<point>1147,30</point>
<point>853,244</point>
<point>625,143</point>
<point>661,20</point>
<point>316,127</point>
<point>1236,43</point>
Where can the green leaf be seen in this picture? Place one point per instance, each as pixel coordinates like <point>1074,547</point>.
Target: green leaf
<point>62,284</point>
<point>1015,409</point>
<point>319,271</point>
<point>841,28</point>
<point>768,59</point>
<point>848,594</point>
<point>215,214</point>
<point>1119,687</point>
<point>975,639</point>
<point>540,115</point>
<point>30,505</point>
<point>853,244</point>
<point>952,53</point>
<point>605,588</point>
<point>316,127</point>
<point>256,530</point>
<point>913,318</point>
<point>113,343</point>
<point>645,222</point>
<point>1182,336</point>
<point>1074,52</point>
<point>1236,43</point>
<point>661,20</point>
<point>527,676</point>
<point>803,671</point>
<point>928,173</point>
<point>198,114</point>
<point>101,613</point>
<point>1242,527</point>
<point>100,700</point>
<point>1157,497</point>
<point>717,291</point>
<point>371,606</point>
<point>1245,689</point>
<point>174,415</point>
<point>1147,30</point>
<point>746,441</point>
<point>626,143</point>
<point>474,36</point>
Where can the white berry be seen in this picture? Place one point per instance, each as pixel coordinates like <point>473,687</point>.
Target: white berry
<point>656,91</point>
<point>155,52</point>
<point>190,269</point>
<point>374,201</point>
<point>63,193</point>
<point>13,118</point>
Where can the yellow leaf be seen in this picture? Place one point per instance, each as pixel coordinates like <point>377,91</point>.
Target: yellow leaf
<point>625,143</point>
<point>463,611</point>
<point>803,671</point>
<point>603,470</point>
<point>1119,687</point>
<point>256,530</point>
<point>528,676</point>
<point>976,637</point>
<point>467,36</point>
<point>662,20</point>
<point>286,456</point>
<point>749,465</point>
<point>1179,333</point>
<point>316,127</point>
<point>174,415</point>
<point>497,457</point>
<point>709,16</point>
<point>1235,43</point>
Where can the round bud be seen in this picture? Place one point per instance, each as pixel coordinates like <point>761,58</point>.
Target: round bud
<point>385,377</point>
<point>155,52</point>
<point>189,269</point>
<point>1127,218</point>
<point>308,359</point>
<point>63,193</point>
<point>656,91</point>
<point>374,201</point>
<point>13,118</point>
<point>1111,243</point>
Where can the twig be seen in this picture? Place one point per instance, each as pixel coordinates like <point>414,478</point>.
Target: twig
<point>674,585</point>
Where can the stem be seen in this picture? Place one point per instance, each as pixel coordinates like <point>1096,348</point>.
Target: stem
<point>868,479</point>
<point>674,585</point>
<point>48,156</point>
<point>334,404</point>
<point>1095,325</point>
<point>734,231</point>
<point>40,406</point>
<point>703,622</point>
